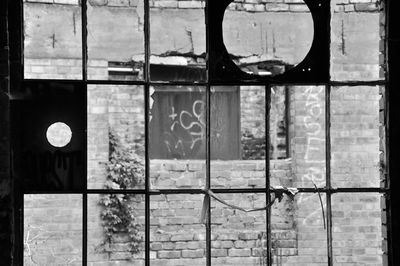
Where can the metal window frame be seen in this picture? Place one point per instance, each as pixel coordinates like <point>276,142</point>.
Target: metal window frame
<point>17,79</point>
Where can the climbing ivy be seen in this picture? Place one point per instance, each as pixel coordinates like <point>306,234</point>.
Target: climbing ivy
<point>125,170</point>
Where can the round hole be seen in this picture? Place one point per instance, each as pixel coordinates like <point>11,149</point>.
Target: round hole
<point>267,39</point>
<point>59,134</point>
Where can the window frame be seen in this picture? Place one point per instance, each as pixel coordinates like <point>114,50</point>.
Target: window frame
<point>391,82</point>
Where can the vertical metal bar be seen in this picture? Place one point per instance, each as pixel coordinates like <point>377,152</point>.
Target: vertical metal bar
<point>208,174</point>
<point>267,172</point>
<point>287,120</point>
<point>20,222</point>
<point>146,29</point>
<point>84,39</point>
<point>388,185</point>
<point>84,78</point>
<point>208,136</point>
<point>147,176</point>
<point>328,172</point>
<point>146,72</point>
<point>84,229</point>
<point>328,145</point>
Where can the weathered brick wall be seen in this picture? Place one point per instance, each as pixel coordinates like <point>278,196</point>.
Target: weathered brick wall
<point>307,135</point>
<point>242,5</point>
<point>59,68</point>
<point>355,45</point>
<point>53,229</point>
<point>355,125</point>
<point>355,38</point>
<point>116,108</point>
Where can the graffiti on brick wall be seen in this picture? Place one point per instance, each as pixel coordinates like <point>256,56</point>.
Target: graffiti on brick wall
<point>187,130</point>
<point>314,153</point>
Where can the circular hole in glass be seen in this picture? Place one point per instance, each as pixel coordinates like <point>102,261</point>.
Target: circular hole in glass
<point>267,39</point>
<point>59,134</point>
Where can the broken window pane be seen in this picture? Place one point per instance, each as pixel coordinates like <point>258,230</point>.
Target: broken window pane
<point>177,133</point>
<point>306,138</point>
<point>238,237</point>
<point>52,229</point>
<point>116,226</point>
<point>115,137</point>
<point>269,38</point>
<point>177,41</point>
<point>355,136</point>
<point>177,233</point>
<point>115,40</point>
<point>52,40</point>
<point>357,228</point>
<point>355,40</point>
<point>238,141</point>
<point>299,230</point>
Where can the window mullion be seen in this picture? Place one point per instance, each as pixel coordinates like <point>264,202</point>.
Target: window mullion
<point>84,79</point>
<point>267,174</point>
<point>328,173</point>
<point>146,126</point>
<point>207,197</point>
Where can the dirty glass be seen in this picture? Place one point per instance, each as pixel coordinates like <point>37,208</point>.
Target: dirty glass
<point>355,135</point>
<point>52,229</point>
<point>237,135</point>
<point>177,41</point>
<point>177,137</point>
<point>52,40</point>
<point>177,233</point>
<point>356,30</point>
<point>115,137</point>
<point>116,44</point>
<point>116,225</point>
<point>297,136</point>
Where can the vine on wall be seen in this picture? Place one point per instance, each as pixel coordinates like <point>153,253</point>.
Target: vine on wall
<point>125,170</point>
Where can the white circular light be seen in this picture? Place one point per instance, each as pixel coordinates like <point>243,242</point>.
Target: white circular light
<point>59,134</point>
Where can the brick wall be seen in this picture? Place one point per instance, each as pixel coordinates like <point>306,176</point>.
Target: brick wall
<point>53,229</point>
<point>240,5</point>
<point>355,45</point>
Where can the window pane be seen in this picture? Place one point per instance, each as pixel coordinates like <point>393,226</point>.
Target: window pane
<point>238,142</point>
<point>355,129</point>
<point>357,229</point>
<point>47,157</point>
<point>115,137</point>
<point>115,40</point>
<point>52,229</point>
<point>355,34</point>
<point>116,226</point>
<point>298,233</point>
<point>177,41</point>
<point>177,234</point>
<point>177,136</point>
<point>52,40</point>
<point>267,38</point>
<point>237,237</point>
<point>306,137</point>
